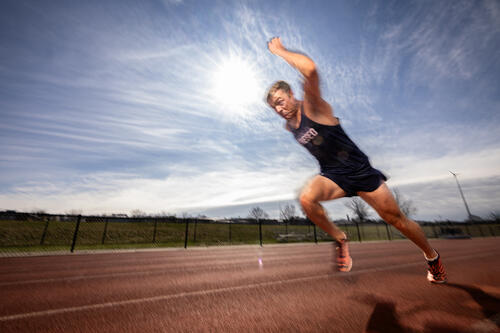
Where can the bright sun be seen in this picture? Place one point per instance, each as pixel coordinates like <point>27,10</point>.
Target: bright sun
<point>235,83</point>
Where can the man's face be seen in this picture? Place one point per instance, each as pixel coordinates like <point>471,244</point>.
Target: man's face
<point>284,104</point>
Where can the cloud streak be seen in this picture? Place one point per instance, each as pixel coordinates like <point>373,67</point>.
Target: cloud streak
<point>112,112</point>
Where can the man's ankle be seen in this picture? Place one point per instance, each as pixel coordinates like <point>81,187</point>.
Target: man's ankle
<point>433,257</point>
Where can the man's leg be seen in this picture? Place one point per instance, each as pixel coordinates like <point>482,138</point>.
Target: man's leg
<point>322,189</point>
<point>386,206</point>
<point>317,190</point>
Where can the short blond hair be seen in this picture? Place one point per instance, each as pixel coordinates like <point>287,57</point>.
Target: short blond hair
<point>278,85</point>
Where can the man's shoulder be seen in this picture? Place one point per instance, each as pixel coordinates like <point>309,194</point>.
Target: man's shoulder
<point>323,111</point>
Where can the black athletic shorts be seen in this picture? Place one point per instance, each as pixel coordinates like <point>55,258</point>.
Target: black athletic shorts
<point>366,180</point>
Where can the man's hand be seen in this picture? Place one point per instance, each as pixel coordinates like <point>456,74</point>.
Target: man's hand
<point>275,45</point>
<point>299,61</point>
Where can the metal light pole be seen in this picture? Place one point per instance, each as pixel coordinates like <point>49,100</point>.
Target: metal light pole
<point>463,198</point>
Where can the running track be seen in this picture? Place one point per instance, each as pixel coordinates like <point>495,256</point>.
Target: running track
<point>292,288</point>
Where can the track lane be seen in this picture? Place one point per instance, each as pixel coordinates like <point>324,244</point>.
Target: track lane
<point>287,270</point>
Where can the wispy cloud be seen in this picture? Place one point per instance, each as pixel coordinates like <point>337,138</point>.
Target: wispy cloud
<point>109,113</point>
<point>448,39</point>
<point>185,189</point>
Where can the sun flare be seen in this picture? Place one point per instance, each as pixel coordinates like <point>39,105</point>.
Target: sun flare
<point>235,83</point>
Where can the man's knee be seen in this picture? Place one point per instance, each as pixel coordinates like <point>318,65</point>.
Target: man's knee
<point>396,219</point>
<point>307,202</point>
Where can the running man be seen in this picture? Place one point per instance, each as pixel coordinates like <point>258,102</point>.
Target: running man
<point>345,169</point>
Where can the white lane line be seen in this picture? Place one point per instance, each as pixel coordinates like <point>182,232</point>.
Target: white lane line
<point>218,290</point>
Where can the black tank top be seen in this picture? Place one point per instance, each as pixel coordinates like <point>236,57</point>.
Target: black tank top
<point>331,146</point>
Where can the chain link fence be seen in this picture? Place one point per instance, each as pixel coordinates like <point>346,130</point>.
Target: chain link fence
<point>22,232</point>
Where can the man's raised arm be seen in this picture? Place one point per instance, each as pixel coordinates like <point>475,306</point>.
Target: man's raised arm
<point>305,66</point>
<point>301,62</point>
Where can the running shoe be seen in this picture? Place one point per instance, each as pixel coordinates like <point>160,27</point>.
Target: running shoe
<point>436,273</point>
<point>344,260</point>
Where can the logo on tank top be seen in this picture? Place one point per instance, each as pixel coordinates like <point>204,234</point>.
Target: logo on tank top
<point>306,137</point>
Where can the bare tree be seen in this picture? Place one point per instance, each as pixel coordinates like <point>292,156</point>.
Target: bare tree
<point>359,208</point>
<point>495,216</point>
<point>257,213</point>
<point>406,205</point>
<point>74,212</point>
<point>287,213</point>
<point>163,214</point>
<point>185,216</point>
<point>137,213</point>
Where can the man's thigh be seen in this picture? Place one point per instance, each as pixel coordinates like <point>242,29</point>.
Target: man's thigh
<point>320,188</point>
<point>381,200</point>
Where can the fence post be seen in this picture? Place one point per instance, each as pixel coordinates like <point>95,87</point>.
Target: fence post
<point>230,239</point>
<point>388,231</point>
<point>195,225</point>
<point>105,232</point>
<point>186,235</point>
<point>286,230</point>
<point>154,231</point>
<point>260,231</point>
<point>44,233</point>
<point>315,236</point>
<point>75,235</point>
<point>359,233</point>
<point>491,230</point>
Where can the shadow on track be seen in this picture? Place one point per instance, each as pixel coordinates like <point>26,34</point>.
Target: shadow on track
<point>490,305</point>
<point>385,318</point>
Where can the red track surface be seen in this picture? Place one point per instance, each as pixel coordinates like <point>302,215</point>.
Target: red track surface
<point>291,288</point>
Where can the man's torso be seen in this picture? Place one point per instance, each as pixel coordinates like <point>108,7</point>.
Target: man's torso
<point>330,145</point>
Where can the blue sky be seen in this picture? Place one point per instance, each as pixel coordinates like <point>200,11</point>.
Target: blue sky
<point>112,106</point>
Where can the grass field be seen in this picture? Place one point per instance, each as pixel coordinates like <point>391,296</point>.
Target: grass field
<point>45,234</point>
